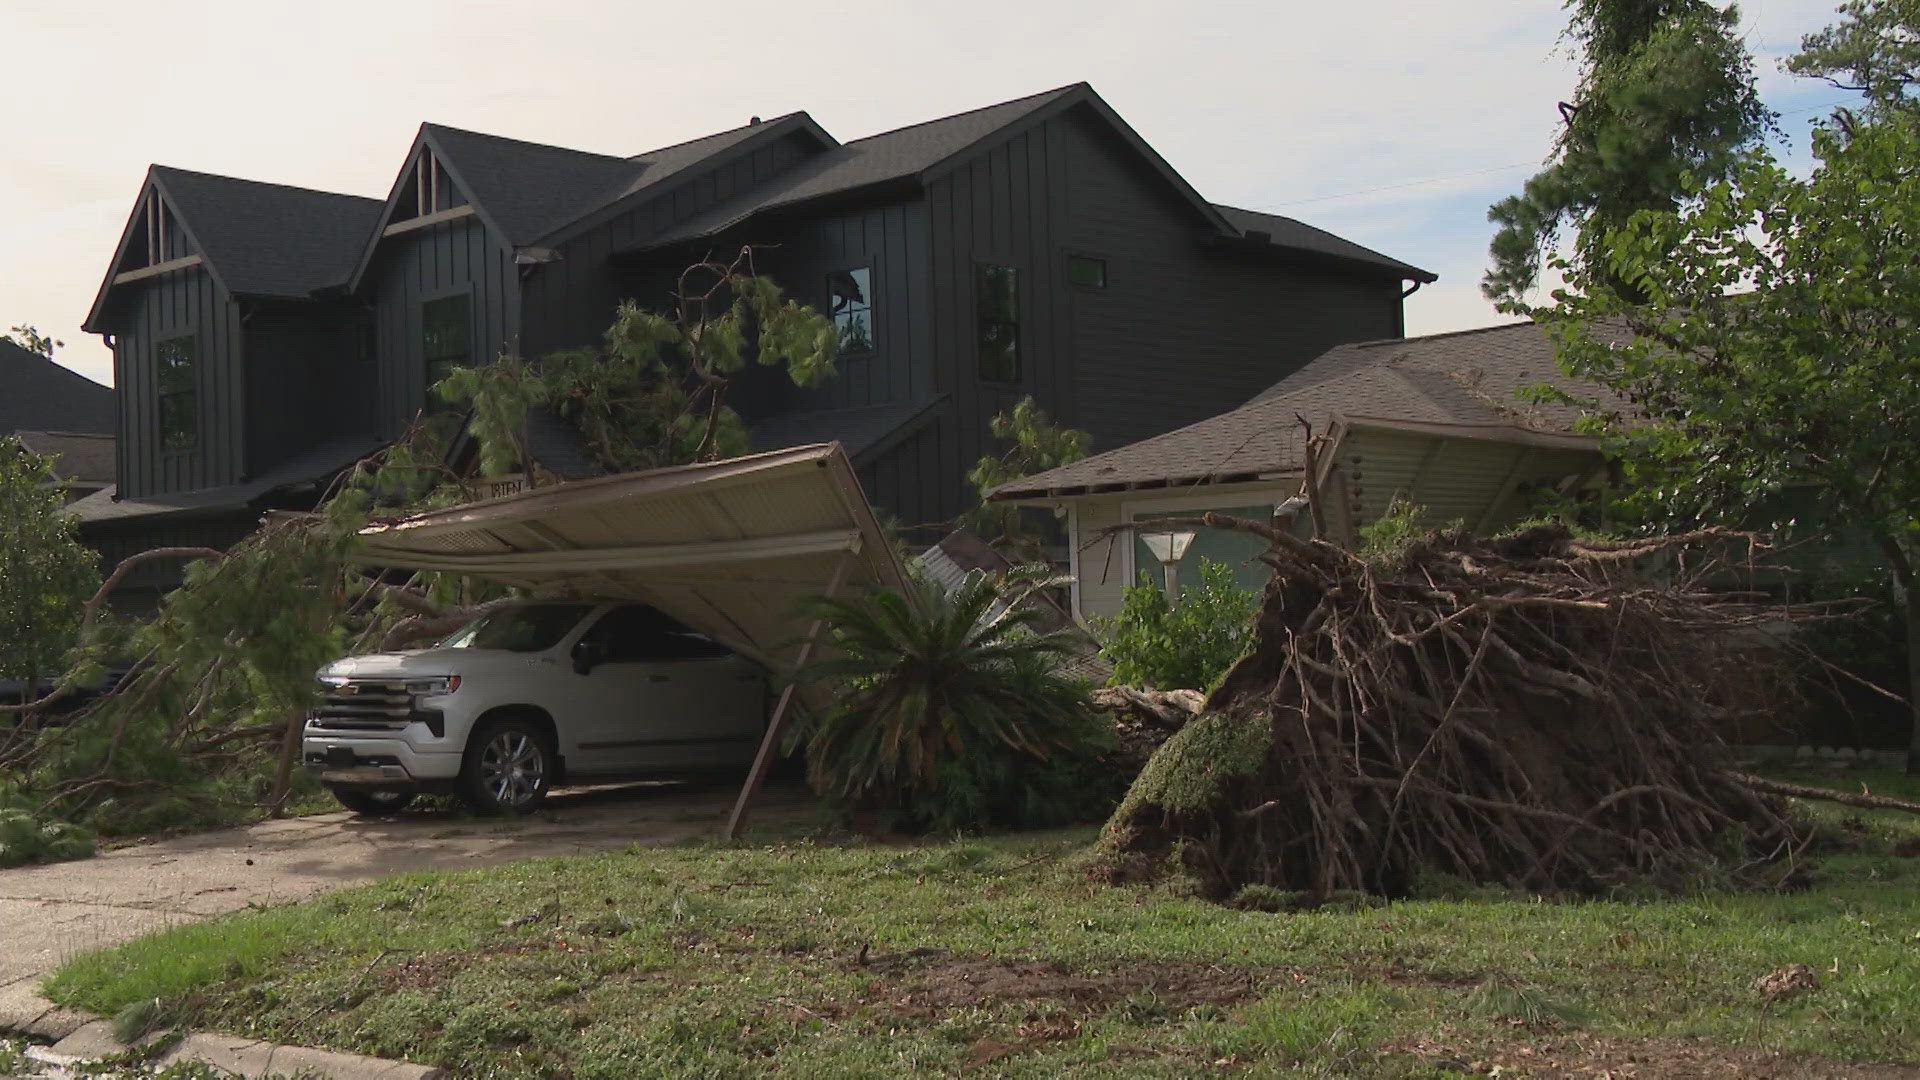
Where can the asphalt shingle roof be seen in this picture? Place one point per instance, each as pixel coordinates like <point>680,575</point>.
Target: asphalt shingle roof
<point>892,155</point>
<point>858,430</point>
<point>1299,236</point>
<point>271,239</point>
<point>309,466</point>
<point>1468,377</point>
<point>530,189</point>
<point>37,394</point>
<point>86,457</point>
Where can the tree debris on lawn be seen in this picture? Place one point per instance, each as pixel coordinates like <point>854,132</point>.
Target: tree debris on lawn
<point>1529,711</point>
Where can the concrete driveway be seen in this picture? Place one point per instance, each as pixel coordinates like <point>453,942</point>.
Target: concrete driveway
<point>51,913</point>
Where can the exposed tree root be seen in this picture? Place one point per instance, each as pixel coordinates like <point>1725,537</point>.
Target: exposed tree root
<point>1529,711</point>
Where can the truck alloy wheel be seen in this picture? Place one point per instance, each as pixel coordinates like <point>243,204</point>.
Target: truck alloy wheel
<point>507,768</point>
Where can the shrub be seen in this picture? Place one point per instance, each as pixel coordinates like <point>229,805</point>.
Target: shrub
<point>25,838</point>
<point>952,714</point>
<point>1187,647</point>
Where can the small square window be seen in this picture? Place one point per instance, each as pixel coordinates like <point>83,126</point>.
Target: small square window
<point>850,301</point>
<point>1087,272</point>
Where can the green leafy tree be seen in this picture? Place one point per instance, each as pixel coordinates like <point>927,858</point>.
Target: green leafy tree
<point>33,341</point>
<point>46,574</point>
<point>953,714</point>
<point>1666,91</point>
<point>1038,444</point>
<point>1186,647</point>
<point>1774,347</point>
<point>655,393</point>
<point>1874,49</point>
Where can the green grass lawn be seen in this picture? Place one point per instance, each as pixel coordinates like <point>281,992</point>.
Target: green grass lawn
<point>814,958</point>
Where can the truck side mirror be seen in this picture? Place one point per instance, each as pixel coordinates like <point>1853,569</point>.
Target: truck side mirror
<point>587,655</point>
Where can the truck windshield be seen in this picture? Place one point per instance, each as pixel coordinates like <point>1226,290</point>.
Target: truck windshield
<point>524,628</point>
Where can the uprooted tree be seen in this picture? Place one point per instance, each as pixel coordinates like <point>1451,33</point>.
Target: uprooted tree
<point>207,725</point>
<point>1532,711</point>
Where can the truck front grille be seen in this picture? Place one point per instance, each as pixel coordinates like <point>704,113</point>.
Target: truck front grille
<point>369,705</point>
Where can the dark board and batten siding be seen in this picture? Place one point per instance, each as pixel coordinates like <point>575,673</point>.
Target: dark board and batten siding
<point>1187,328</point>
<point>171,305</point>
<point>438,261</point>
<point>1000,208</point>
<point>570,301</point>
<point>309,377</point>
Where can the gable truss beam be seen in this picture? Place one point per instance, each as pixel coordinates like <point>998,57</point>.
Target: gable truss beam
<point>183,263</point>
<point>438,217</point>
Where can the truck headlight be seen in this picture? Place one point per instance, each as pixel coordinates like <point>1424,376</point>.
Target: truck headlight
<point>445,684</point>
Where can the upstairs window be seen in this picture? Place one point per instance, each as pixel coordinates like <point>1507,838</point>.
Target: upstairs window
<point>997,321</point>
<point>179,419</point>
<point>428,190</point>
<point>446,332</point>
<point>850,299</point>
<point>1087,272</point>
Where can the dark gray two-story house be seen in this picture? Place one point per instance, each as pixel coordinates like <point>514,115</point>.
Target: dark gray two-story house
<point>266,336</point>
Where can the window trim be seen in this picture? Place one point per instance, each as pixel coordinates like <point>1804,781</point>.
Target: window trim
<point>1213,497</point>
<point>190,332</point>
<point>1067,261</point>
<point>871,264</point>
<point>1019,334</point>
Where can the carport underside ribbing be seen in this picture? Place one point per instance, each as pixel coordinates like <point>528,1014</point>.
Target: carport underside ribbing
<point>731,548</point>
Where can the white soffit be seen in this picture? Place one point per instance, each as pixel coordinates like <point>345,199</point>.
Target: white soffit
<point>731,548</point>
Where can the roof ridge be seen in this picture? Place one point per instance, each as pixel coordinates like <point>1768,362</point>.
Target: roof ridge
<point>424,124</point>
<point>1378,342</point>
<point>968,112</point>
<point>783,117</point>
<point>175,169</point>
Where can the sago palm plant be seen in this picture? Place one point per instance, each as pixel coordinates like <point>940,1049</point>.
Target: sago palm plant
<point>950,708</point>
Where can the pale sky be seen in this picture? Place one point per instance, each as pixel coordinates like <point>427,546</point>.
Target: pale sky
<point>1393,123</point>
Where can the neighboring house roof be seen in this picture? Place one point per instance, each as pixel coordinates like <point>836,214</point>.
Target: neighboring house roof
<point>37,393</point>
<point>1298,236</point>
<point>893,155</point>
<point>863,432</point>
<point>308,467</point>
<point>1462,381</point>
<point>79,457</point>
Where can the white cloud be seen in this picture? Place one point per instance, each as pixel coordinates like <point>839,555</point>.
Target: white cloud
<point>1258,103</point>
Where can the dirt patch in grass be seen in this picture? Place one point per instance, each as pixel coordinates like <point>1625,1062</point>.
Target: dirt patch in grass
<point>1579,1054</point>
<point>1169,985</point>
<point>428,970</point>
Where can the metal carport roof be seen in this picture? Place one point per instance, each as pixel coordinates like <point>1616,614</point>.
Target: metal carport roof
<point>731,548</point>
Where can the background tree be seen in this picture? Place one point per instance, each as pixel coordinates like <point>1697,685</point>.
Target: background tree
<point>1875,49</point>
<point>1038,445</point>
<point>1666,91</point>
<point>33,341</point>
<point>1773,347</point>
<point>46,574</point>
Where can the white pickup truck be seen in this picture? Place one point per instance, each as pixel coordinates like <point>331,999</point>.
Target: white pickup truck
<point>528,696</point>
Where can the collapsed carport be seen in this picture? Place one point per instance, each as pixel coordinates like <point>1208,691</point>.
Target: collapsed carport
<point>731,548</point>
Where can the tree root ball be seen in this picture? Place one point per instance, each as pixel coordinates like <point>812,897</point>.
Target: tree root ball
<point>1533,712</point>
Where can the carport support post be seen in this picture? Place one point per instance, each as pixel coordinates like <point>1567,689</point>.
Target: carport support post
<point>764,759</point>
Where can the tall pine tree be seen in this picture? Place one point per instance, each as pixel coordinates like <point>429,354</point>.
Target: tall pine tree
<point>1666,90</point>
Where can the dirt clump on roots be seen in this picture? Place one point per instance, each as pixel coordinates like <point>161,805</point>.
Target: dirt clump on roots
<point>1534,712</point>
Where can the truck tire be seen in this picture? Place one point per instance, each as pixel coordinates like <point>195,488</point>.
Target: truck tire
<point>372,802</point>
<point>507,768</point>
